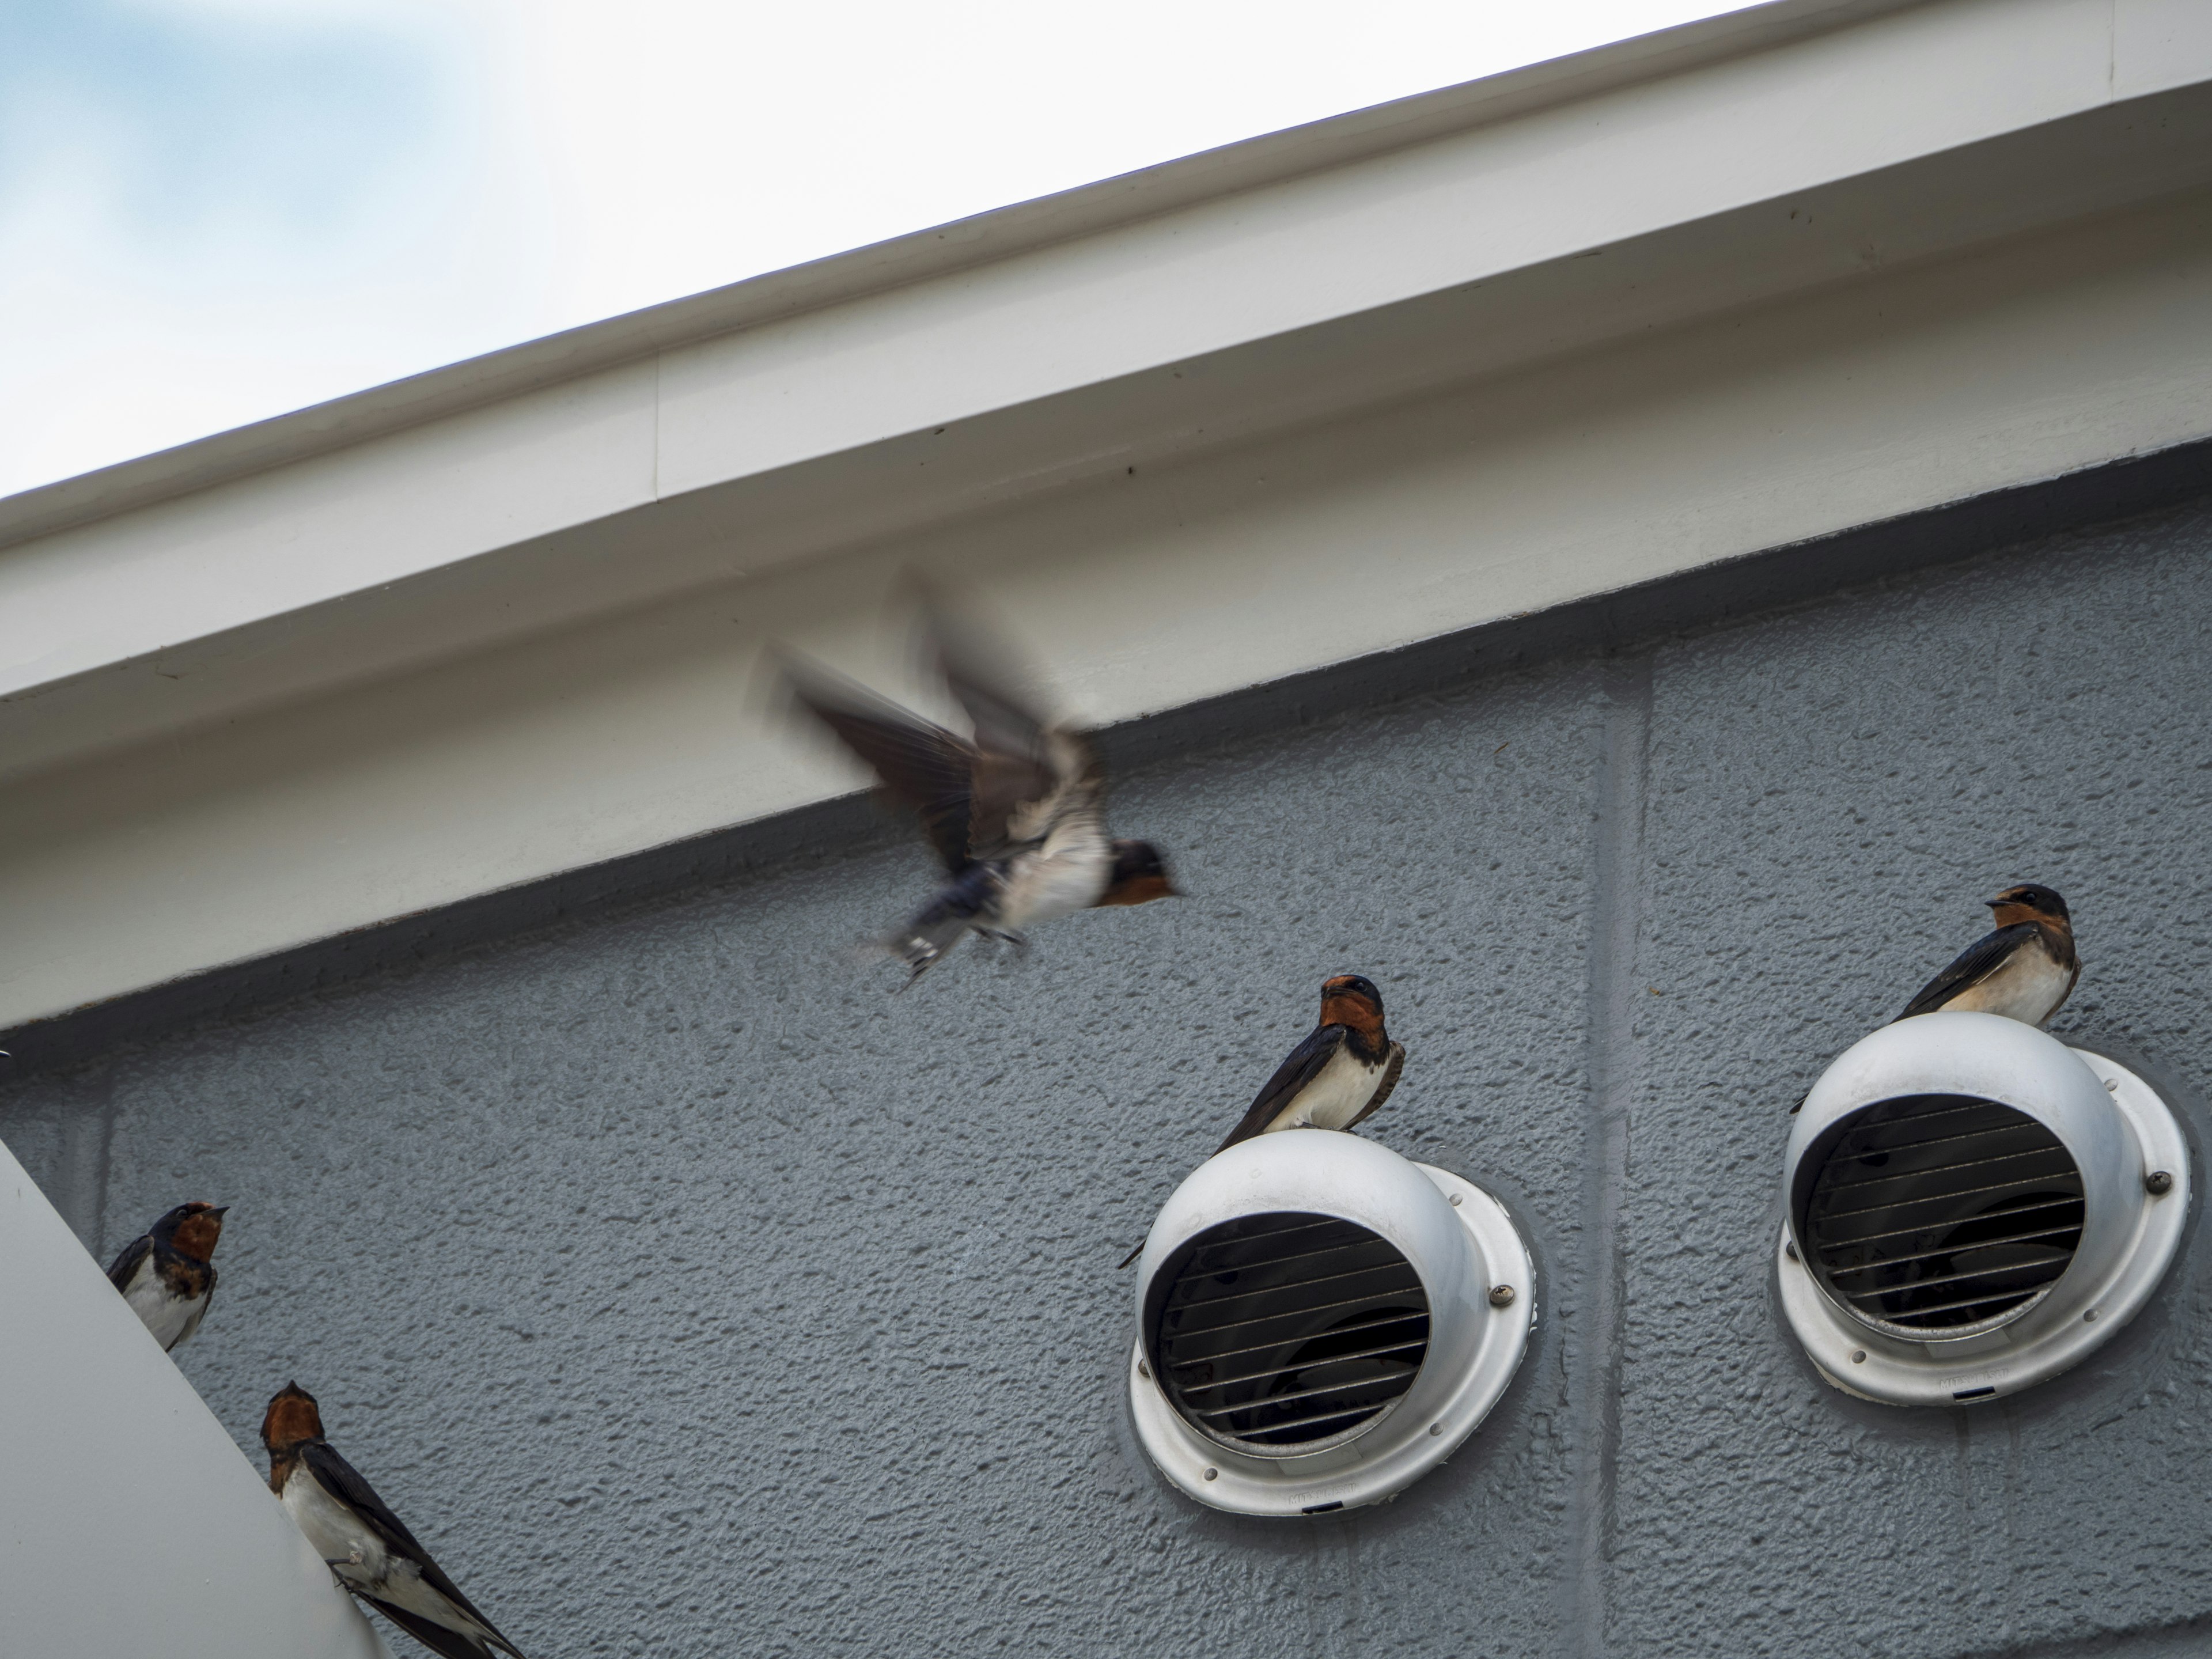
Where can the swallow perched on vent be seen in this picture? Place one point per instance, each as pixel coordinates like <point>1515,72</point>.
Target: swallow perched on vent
<point>1017,815</point>
<point>2024,970</point>
<point>165,1274</point>
<point>367,1546</point>
<point>1339,1076</point>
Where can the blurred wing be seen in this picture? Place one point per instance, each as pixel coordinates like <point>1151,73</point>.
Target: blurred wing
<point>127,1264</point>
<point>344,1482</point>
<point>1021,800</point>
<point>922,765</point>
<point>1976,964</point>
<point>1389,1082</point>
<point>1290,1078</point>
<point>1027,774</point>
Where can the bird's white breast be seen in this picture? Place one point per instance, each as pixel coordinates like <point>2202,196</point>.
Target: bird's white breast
<point>1335,1098</point>
<point>357,1554</point>
<point>170,1318</point>
<point>1067,874</point>
<point>340,1536</point>
<point>2029,987</point>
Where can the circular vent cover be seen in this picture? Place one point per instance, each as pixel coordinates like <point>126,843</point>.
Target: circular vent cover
<point>1320,1322</point>
<point>1971,1206</point>
<point>1287,1332</point>
<point>1942,1214</point>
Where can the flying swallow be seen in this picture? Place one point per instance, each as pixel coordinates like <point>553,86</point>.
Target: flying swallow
<point>1337,1078</point>
<point>2024,970</point>
<point>367,1546</point>
<point>165,1274</point>
<point>1017,815</point>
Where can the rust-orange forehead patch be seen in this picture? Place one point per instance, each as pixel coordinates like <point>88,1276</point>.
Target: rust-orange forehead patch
<point>197,1234</point>
<point>291,1419</point>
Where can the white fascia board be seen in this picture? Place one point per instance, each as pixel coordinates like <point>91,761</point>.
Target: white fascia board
<point>1758,427</point>
<point>131,1524</point>
<point>1583,169</point>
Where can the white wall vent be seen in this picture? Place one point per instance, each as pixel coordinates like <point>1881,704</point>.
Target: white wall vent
<point>1971,1207</point>
<point>1320,1322</point>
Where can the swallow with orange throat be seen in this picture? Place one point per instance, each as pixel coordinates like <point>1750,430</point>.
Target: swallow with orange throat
<point>1016,814</point>
<point>1337,1078</point>
<point>165,1275</point>
<point>2025,970</point>
<point>367,1546</point>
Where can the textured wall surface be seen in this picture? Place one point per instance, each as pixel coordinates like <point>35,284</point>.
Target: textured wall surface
<point>690,1295</point>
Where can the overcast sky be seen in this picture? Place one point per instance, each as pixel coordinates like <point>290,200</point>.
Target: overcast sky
<point>216,210</point>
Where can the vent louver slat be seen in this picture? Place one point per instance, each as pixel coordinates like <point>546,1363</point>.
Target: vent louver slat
<point>1937,1212</point>
<point>1285,1331</point>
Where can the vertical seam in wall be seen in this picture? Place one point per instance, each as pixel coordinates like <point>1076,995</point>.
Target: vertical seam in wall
<point>1609,1067</point>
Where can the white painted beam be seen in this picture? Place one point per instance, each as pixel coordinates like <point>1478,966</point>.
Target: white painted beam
<point>131,1524</point>
<point>1748,431</point>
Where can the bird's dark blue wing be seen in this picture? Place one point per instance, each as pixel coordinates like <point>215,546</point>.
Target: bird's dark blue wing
<point>1300,1068</point>
<point>451,1643</point>
<point>923,765</point>
<point>127,1264</point>
<point>1975,964</point>
<point>345,1483</point>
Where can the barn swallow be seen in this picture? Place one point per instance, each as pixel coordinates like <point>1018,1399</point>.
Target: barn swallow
<point>2024,970</point>
<point>1017,816</point>
<point>367,1546</point>
<point>165,1274</point>
<point>1339,1077</point>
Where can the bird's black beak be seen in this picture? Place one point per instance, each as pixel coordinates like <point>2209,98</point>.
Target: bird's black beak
<point>220,1211</point>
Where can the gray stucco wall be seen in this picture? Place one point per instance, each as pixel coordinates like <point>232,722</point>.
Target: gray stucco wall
<point>691,1296</point>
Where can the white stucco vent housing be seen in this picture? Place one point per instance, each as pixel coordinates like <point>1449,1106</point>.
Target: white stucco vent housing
<point>1320,1322</point>
<point>1972,1206</point>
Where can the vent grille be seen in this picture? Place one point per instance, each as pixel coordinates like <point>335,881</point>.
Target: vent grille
<point>1289,1330</point>
<point>1941,1211</point>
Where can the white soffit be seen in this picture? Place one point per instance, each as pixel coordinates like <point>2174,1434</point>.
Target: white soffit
<point>1510,344</point>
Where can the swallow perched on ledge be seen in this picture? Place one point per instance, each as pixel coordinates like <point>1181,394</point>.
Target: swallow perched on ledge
<point>165,1274</point>
<point>2024,970</point>
<point>367,1546</point>
<point>1339,1076</point>
<point>1017,816</point>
